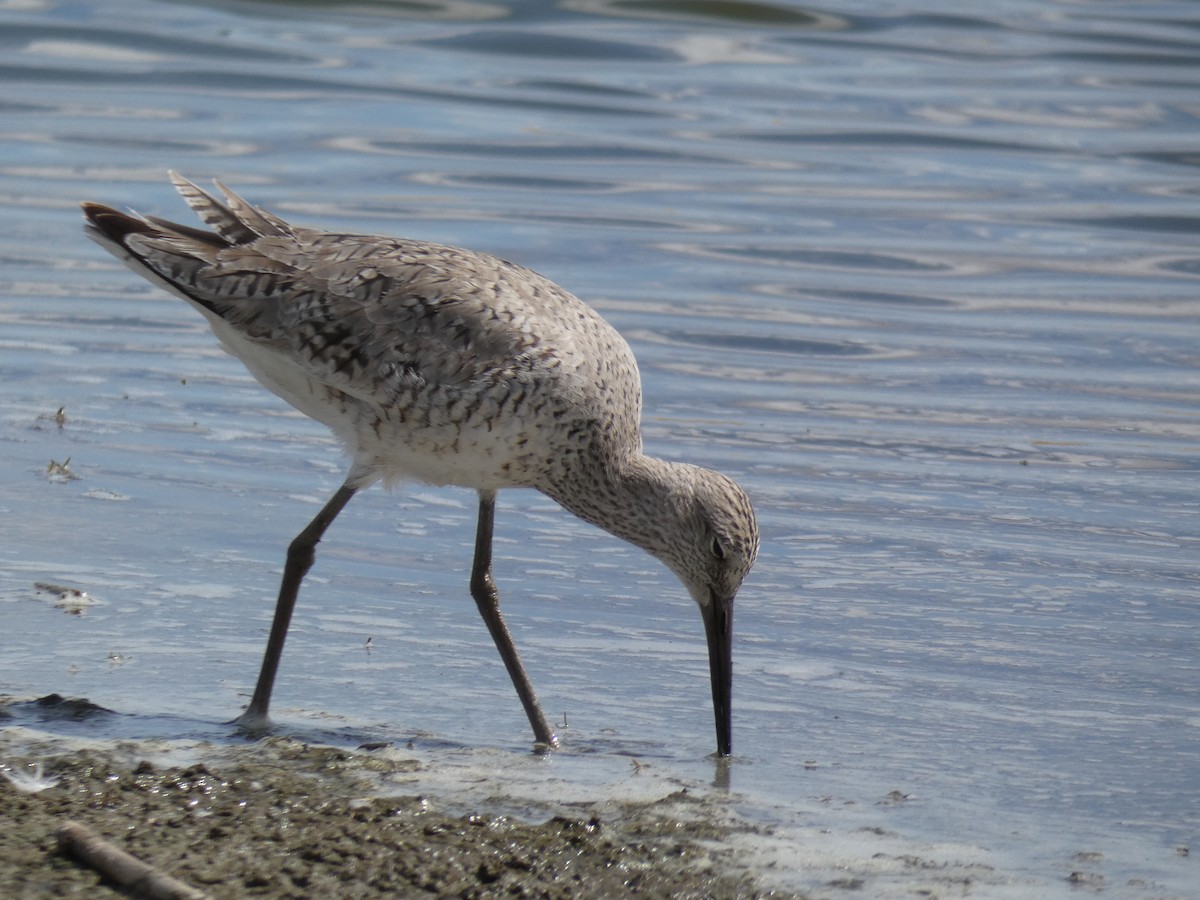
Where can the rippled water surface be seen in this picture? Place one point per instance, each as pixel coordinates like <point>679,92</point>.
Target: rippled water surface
<point>922,277</point>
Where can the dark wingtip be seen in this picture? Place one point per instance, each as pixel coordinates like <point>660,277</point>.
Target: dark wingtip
<point>113,223</point>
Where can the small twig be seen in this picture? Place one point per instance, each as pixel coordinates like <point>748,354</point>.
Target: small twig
<point>114,863</point>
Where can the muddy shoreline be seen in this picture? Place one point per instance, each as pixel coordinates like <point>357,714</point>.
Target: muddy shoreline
<point>281,818</point>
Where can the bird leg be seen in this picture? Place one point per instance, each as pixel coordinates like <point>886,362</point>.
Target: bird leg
<point>487,598</point>
<point>301,553</point>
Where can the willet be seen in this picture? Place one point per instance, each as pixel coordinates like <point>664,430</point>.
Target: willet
<point>450,367</point>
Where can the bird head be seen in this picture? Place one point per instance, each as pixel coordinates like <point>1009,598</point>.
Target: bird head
<point>720,545</point>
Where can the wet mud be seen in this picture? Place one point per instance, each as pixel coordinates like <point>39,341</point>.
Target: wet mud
<point>281,818</point>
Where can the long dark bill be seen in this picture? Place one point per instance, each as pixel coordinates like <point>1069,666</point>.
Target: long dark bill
<point>718,627</point>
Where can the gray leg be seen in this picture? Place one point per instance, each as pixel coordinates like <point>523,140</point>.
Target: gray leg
<point>487,598</point>
<point>301,553</point>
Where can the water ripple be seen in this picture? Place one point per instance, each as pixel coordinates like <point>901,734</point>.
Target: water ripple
<point>550,45</point>
<point>138,46</point>
<point>425,10</point>
<point>740,344</point>
<point>795,257</point>
<point>714,12</point>
<point>526,151</point>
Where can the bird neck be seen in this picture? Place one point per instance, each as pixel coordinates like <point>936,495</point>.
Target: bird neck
<point>634,497</point>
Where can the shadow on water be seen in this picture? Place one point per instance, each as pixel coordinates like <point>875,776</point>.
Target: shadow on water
<point>80,718</point>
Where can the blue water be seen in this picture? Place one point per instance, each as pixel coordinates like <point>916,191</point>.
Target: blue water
<point>924,277</point>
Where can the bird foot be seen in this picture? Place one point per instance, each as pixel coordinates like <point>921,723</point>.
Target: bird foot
<point>252,723</point>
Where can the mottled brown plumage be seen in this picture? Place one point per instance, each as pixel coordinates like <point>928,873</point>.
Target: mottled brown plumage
<point>446,366</point>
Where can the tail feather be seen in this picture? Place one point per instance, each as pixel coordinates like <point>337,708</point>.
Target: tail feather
<point>213,213</point>
<point>257,219</point>
<point>235,220</point>
<point>213,270</point>
<point>166,253</point>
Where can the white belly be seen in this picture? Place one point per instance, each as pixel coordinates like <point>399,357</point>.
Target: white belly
<point>480,451</point>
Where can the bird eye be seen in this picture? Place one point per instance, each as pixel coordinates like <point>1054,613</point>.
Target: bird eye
<point>717,550</point>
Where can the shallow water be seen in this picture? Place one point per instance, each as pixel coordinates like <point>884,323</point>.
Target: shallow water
<point>923,280</point>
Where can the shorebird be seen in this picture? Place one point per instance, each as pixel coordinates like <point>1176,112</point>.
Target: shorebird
<point>450,367</point>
